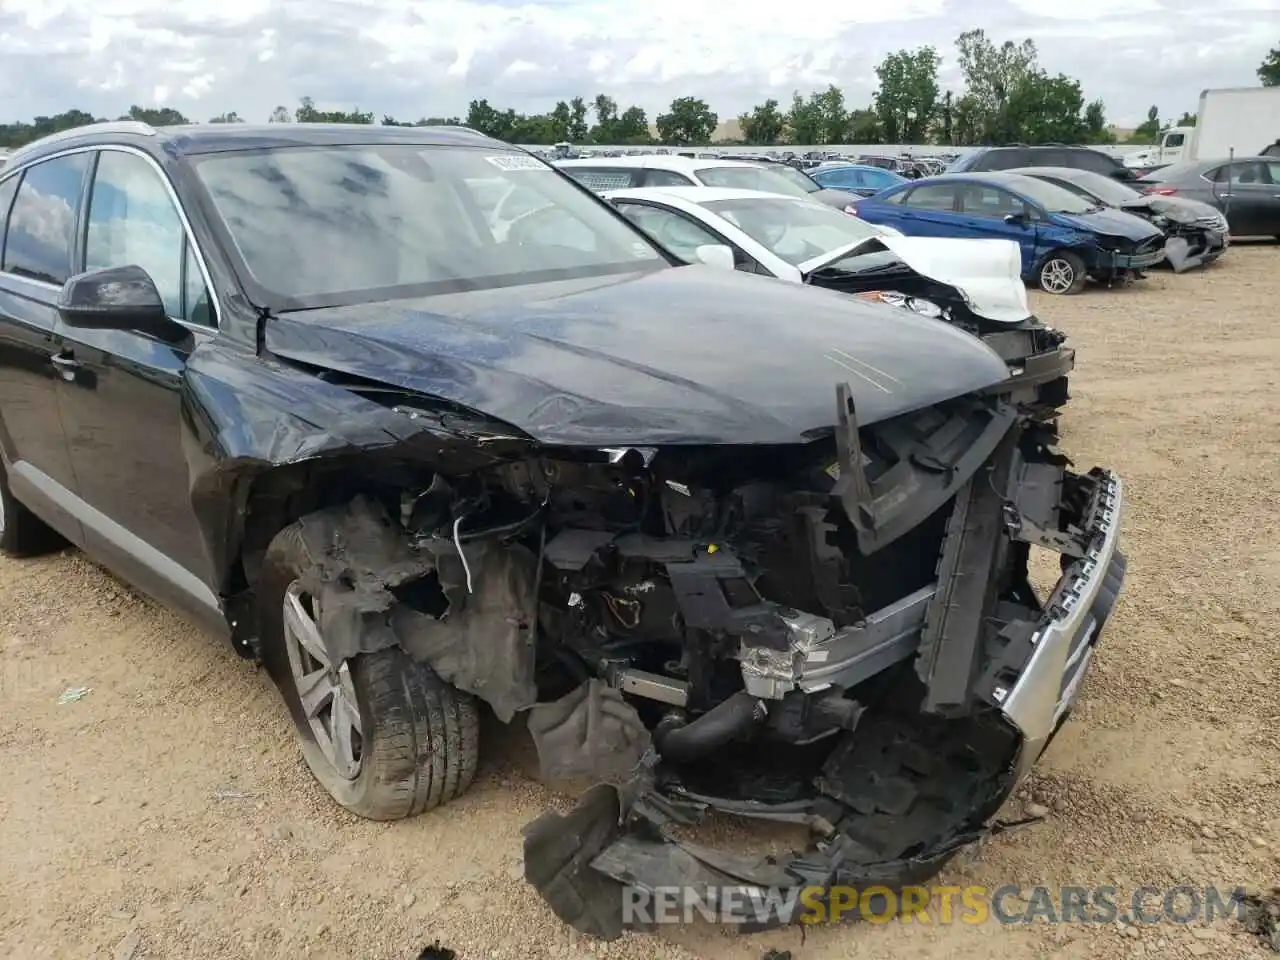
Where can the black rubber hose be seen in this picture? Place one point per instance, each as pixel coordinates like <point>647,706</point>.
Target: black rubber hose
<point>715,728</point>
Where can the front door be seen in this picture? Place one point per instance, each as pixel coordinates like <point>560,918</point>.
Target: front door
<point>122,404</point>
<point>41,206</point>
<point>987,210</point>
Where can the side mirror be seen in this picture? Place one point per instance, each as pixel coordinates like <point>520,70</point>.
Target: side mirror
<point>716,255</point>
<point>1016,219</point>
<point>118,298</point>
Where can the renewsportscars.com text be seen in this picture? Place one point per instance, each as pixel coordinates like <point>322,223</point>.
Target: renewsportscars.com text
<point>941,904</point>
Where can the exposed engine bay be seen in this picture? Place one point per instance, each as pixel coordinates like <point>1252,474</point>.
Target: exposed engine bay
<point>840,634</point>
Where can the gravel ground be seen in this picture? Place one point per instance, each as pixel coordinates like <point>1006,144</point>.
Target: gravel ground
<point>167,813</point>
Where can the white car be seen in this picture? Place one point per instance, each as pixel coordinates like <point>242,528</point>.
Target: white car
<point>663,170</point>
<point>792,238</point>
<point>974,284</point>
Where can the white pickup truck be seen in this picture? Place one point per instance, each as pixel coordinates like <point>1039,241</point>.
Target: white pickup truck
<point>1244,121</point>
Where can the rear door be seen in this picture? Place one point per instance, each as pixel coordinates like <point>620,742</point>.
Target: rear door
<point>38,209</point>
<point>930,210</point>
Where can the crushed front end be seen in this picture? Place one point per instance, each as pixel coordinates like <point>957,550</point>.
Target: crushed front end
<point>842,635</point>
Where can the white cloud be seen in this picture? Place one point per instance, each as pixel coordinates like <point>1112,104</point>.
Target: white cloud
<point>413,58</point>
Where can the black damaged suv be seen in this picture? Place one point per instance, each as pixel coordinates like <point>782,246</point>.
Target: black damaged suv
<point>722,542</point>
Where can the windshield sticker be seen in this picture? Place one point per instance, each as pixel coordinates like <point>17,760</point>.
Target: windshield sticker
<point>516,161</point>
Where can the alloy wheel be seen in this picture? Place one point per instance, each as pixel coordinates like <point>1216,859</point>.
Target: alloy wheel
<point>327,693</point>
<point>1057,276</point>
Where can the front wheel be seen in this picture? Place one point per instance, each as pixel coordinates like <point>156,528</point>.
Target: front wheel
<point>381,732</point>
<point>1061,272</point>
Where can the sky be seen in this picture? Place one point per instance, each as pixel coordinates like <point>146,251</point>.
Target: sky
<point>414,58</point>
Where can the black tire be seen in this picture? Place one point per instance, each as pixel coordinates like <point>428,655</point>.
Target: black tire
<point>1061,273</point>
<point>419,735</point>
<point>22,533</point>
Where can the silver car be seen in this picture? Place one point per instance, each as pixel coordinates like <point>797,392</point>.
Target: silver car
<point>1245,189</point>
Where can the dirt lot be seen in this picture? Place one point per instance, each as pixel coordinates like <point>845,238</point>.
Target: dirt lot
<point>170,802</point>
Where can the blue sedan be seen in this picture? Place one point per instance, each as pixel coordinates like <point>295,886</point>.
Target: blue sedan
<point>1064,237</point>
<point>858,178</point>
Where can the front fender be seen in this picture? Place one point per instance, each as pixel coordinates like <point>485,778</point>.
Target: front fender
<point>245,415</point>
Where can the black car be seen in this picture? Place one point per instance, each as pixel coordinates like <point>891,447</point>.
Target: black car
<point>1196,233</point>
<point>992,159</point>
<point>723,543</point>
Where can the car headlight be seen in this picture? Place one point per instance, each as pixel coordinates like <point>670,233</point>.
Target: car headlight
<point>925,308</point>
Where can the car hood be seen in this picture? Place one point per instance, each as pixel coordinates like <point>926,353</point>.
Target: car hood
<point>1113,222</point>
<point>834,197</point>
<point>679,355</point>
<point>1178,209</point>
<point>986,273</point>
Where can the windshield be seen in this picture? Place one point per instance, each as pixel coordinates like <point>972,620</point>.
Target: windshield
<point>318,226</point>
<point>1108,190</point>
<point>807,184</point>
<point>793,231</point>
<point>750,178</point>
<point>1053,198</point>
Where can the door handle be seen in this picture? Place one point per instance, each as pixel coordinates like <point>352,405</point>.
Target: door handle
<point>66,364</point>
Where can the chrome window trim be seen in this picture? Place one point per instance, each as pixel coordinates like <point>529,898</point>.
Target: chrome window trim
<point>173,198</point>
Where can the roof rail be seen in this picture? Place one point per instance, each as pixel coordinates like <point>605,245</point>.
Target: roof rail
<point>104,126</point>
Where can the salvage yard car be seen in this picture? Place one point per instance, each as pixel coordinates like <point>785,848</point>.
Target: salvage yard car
<point>1195,233</point>
<point>722,543</point>
<point>1065,239</point>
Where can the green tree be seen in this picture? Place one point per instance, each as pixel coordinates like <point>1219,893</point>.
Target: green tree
<point>907,99</point>
<point>155,116</point>
<point>1048,109</point>
<point>864,127</point>
<point>1186,120</point>
<point>561,120</point>
<point>19,134</point>
<point>688,121</point>
<point>606,127</point>
<point>633,126</point>
<point>1149,130</point>
<point>1269,69</point>
<point>487,119</point>
<point>577,132</point>
<point>946,117</point>
<point>991,75</point>
<point>231,117</point>
<point>306,112</point>
<point>280,115</point>
<point>804,121</point>
<point>1096,128</point>
<point>833,118</point>
<point>763,125</point>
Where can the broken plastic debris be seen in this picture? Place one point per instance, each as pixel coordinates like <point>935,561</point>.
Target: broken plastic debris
<point>224,792</point>
<point>72,694</point>
<point>436,952</point>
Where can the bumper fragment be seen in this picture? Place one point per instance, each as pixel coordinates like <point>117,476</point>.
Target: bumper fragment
<point>1062,644</point>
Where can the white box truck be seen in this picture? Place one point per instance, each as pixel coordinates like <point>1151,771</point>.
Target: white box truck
<point>1240,120</point>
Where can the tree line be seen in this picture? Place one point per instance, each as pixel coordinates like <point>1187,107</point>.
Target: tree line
<point>1007,97</point>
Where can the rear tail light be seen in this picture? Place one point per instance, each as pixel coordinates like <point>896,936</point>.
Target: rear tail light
<point>1159,191</point>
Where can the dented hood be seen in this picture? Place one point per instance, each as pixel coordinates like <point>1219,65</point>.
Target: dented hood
<point>1178,209</point>
<point>680,355</point>
<point>986,273</point>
